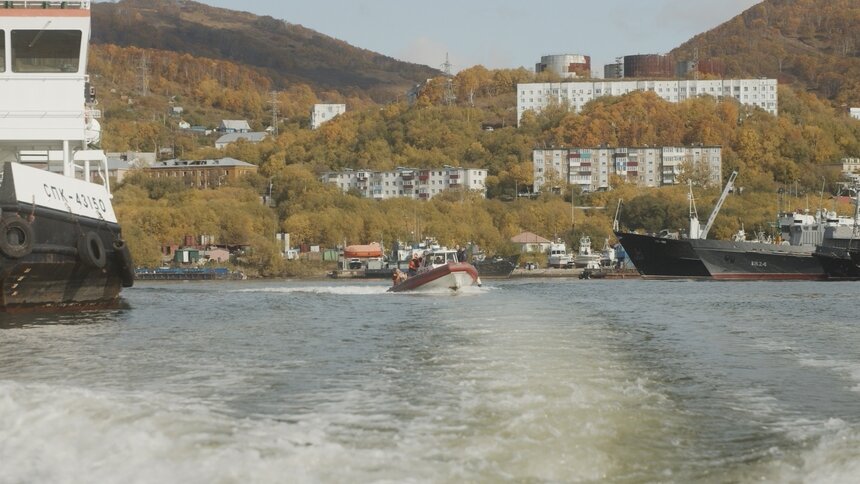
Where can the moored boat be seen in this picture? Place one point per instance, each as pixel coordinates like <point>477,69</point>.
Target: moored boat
<point>585,256</point>
<point>558,256</point>
<point>669,256</point>
<point>440,270</point>
<point>60,243</point>
<point>497,267</point>
<point>839,251</point>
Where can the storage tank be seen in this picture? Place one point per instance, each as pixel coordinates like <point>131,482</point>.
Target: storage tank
<point>649,65</point>
<point>688,68</point>
<point>565,65</point>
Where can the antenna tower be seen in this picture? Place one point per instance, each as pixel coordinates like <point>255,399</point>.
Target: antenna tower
<point>273,100</point>
<point>143,69</point>
<point>448,96</point>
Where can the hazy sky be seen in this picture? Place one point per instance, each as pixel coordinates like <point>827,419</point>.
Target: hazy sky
<point>502,33</point>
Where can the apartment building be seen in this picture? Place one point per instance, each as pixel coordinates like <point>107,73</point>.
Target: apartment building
<point>591,168</point>
<point>322,113</point>
<point>420,184</point>
<point>575,94</point>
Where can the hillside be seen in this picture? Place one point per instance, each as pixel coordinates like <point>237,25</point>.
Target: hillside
<point>812,44</point>
<point>279,50</point>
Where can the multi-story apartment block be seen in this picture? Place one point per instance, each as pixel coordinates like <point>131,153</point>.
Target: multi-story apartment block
<point>322,113</point>
<point>413,183</point>
<point>575,94</point>
<point>850,168</point>
<point>591,168</point>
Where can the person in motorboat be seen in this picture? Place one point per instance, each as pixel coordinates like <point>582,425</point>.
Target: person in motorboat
<point>414,264</point>
<point>397,277</point>
<point>461,254</point>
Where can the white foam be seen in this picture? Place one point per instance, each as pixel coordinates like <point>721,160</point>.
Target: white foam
<point>70,435</point>
<point>344,290</point>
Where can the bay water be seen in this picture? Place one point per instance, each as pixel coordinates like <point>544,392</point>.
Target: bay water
<point>540,380</point>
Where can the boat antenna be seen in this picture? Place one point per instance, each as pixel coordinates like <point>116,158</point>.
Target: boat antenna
<point>694,215</point>
<point>821,200</point>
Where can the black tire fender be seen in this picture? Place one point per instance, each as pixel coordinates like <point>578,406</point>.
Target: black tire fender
<point>123,259</point>
<point>16,237</point>
<point>91,250</point>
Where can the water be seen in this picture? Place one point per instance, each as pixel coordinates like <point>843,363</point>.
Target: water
<point>524,381</point>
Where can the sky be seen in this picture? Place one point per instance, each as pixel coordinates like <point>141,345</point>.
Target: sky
<point>502,33</point>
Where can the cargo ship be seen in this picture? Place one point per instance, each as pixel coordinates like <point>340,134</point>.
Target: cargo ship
<point>61,246</point>
<point>667,255</point>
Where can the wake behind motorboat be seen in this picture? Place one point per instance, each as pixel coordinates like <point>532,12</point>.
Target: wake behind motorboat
<point>440,270</point>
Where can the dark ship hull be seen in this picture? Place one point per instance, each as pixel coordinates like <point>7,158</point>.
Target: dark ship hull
<point>656,257</point>
<point>52,260</point>
<point>498,267</point>
<point>839,264</point>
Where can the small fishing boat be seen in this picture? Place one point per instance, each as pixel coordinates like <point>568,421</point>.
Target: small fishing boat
<point>440,270</point>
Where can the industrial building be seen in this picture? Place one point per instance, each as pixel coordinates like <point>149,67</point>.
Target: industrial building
<point>575,94</point>
<point>569,66</point>
<point>591,168</point>
<point>419,184</point>
<point>201,173</point>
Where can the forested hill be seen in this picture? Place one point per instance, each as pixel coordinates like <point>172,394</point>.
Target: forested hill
<point>285,52</point>
<point>813,44</point>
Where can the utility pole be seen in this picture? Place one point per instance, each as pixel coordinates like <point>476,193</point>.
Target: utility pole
<point>273,100</point>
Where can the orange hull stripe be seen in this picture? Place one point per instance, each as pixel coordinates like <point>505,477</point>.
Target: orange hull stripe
<point>44,12</point>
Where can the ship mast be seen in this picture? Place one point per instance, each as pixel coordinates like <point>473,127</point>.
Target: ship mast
<point>729,185</point>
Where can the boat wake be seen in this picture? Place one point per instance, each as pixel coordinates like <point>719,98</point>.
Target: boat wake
<point>463,291</point>
<point>334,289</point>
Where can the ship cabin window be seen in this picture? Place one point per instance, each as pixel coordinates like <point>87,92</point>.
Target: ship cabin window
<point>46,50</point>
<point>2,51</point>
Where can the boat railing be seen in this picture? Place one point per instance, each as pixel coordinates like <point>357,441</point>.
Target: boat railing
<point>90,162</point>
<point>43,4</point>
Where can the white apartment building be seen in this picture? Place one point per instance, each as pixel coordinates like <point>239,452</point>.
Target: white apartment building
<point>591,168</point>
<point>538,96</point>
<point>421,184</point>
<point>851,168</point>
<point>322,113</point>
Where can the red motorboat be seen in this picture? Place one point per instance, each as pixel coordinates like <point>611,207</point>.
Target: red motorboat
<point>440,270</point>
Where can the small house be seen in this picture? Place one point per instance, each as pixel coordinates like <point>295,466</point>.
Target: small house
<point>234,126</point>
<point>529,242</point>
